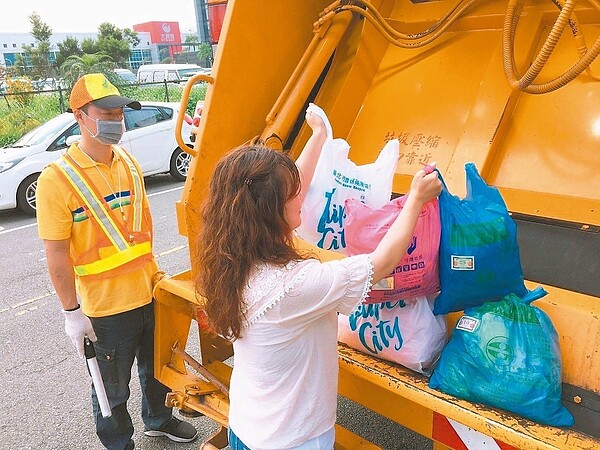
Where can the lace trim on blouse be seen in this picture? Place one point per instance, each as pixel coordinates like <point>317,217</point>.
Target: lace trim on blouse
<point>265,280</point>
<point>271,281</point>
<point>369,283</point>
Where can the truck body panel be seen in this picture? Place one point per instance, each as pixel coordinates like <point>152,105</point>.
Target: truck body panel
<point>447,99</point>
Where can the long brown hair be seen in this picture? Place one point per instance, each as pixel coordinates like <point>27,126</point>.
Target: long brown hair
<point>243,224</point>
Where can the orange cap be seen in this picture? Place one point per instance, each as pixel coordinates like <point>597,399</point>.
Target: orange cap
<point>94,87</point>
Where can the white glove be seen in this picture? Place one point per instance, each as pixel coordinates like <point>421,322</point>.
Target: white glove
<point>77,326</point>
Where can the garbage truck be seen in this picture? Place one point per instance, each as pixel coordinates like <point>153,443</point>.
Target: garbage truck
<point>512,86</point>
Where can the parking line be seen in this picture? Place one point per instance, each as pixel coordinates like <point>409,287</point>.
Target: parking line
<point>165,191</point>
<point>49,294</point>
<point>18,228</point>
<point>172,250</point>
<point>10,230</point>
<point>27,302</point>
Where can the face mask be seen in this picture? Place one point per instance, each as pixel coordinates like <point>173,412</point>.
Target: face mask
<point>108,132</point>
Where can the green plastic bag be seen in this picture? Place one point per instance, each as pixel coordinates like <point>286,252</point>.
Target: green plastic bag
<point>506,354</point>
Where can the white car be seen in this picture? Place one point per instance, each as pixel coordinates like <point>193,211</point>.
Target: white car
<point>149,136</point>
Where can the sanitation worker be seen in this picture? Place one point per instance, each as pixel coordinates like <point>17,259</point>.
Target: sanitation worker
<point>94,218</point>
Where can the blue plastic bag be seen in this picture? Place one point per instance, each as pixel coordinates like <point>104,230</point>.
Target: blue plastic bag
<point>479,255</point>
<point>506,354</point>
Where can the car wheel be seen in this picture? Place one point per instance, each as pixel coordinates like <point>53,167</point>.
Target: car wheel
<point>26,194</point>
<point>180,164</point>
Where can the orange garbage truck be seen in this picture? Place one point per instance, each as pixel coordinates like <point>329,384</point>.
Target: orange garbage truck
<point>512,86</point>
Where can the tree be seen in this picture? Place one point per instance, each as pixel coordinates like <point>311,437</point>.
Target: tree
<point>37,56</point>
<point>20,65</point>
<point>88,45</point>
<point>131,36</point>
<point>205,53</point>
<point>191,44</point>
<point>70,46</point>
<point>76,66</point>
<point>112,41</point>
<point>115,42</point>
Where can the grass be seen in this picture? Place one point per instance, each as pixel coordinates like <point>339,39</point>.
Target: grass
<point>21,112</point>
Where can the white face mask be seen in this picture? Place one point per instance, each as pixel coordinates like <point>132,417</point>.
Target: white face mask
<point>108,132</point>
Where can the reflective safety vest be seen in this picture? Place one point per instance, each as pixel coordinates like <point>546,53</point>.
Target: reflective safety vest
<point>129,245</point>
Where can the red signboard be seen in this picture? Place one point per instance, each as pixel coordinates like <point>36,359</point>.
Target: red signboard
<point>162,33</point>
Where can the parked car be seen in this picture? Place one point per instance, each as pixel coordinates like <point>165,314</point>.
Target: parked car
<point>48,84</point>
<point>152,73</point>
<point>126,76</point>
<point>149,136</point>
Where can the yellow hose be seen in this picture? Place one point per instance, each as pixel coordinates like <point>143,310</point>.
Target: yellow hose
<point>525,83</point>
<point>450,17</point>
<point>579,37</point>
<point>393,36</point>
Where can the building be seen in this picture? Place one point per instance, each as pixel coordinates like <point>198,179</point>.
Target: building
<point>11,45</point>
<point>158,40</point>
<point>216,14</point>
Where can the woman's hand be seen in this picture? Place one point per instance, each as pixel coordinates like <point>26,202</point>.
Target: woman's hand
<point>425,184</point>
<point>316,123</point>
<point>307,161</point>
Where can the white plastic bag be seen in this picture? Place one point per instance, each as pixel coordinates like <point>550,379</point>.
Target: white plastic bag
<point>338,178</point>
<point>404,332</point>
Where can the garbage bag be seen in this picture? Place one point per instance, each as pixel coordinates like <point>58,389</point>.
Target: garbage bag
<point>417,270</point>
<point>506,354</point>
<point>404,332</point>
<point>479,253</point>
<point>338,178</point>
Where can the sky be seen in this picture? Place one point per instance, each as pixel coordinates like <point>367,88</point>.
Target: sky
<point>77,16</point>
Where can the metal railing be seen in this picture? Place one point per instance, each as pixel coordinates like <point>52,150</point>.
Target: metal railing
<point>63,93</point>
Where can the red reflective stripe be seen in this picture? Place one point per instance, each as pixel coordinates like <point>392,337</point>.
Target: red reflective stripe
<point>504,446</point>
<point>445,433</point>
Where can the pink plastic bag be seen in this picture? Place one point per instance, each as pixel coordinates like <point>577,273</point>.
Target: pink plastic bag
<point>417,274</point>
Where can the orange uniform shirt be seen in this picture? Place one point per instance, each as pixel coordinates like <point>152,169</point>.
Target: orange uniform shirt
<point>61,215</point>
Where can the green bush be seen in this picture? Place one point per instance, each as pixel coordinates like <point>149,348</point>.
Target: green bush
<point>20,89</point>
<point>17,119</point>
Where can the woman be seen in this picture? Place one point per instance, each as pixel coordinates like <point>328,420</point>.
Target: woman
<point>278,306</point>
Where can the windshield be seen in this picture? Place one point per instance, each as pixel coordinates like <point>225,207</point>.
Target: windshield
<point>46,131</point>
<point>127,77</point>
<point>188,73</point>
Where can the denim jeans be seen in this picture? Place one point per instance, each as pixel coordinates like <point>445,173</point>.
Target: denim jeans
<point>324,441</point>
<point>234,442</point>
<point>121,338</point>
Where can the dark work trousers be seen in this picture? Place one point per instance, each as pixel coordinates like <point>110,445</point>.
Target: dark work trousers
<point>121,338</point>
